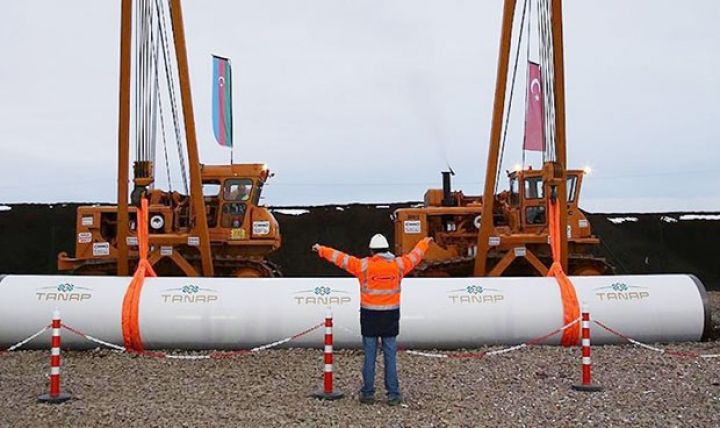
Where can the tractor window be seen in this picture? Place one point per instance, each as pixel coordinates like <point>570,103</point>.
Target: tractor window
<point>237,189</point>
<point>514,195</point>
<point>535,215</point>
<point>233,215</point>
<point>533,188</point>
<point>571,188</point>
<point>211,188</point>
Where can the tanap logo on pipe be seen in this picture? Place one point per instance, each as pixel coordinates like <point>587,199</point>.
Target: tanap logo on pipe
<point>190,294</point>
<point>621,291</point>
<point>63,292</point>
<point>475,294</point>
<point>322,295</point>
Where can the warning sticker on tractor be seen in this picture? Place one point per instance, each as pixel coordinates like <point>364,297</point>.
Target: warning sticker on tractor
<point>237,234</point>
<point>86,221</point>
<point>494,241</point>
<point>101,249</point>
<point>166,250</point>
<point>583,223</point>
<point>131,241</point>
<point>412,226</point>
<point>84,237</point>
<point>520,251</point>
<point>194,241</point>
<point>261,227</point>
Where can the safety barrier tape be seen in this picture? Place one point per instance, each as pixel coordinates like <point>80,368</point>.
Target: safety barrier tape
<point>24,341</point>
<point>686,354</point>
<point>212,355</point>
<point>288,339</point>
<point>94,339</point>
<point>532,342</point>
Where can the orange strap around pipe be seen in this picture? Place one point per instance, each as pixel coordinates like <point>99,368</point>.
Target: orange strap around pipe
<point>571,307</point>
<point>131,302</point>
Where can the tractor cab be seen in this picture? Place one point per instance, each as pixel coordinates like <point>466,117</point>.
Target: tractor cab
<point>528,193</point>
<point>232,204</point>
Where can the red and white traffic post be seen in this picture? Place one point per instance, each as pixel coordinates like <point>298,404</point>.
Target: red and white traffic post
<point>55,396</point>
<point>587,385</point>
<point>328,393</point>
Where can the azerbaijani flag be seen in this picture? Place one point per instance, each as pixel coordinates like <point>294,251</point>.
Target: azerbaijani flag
<point>222,101</point>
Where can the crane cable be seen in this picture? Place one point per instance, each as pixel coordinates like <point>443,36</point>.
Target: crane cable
<point>152,87</point>
<point>145,115</point>
<point>527,79</point>
<point>138,84</point>
<point>548,77</point>
<point>172,92</point>
<point>160,108</point>
<point>512,90</point>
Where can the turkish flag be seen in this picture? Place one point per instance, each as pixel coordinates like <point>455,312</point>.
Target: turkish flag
<point>534,114</point>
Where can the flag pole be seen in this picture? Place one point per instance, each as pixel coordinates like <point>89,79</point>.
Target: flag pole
<point>232,115</point>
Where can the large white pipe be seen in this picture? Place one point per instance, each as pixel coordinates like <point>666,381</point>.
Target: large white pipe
<point>224,313</point>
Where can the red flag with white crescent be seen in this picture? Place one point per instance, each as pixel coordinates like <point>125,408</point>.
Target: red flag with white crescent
<point>534,114</point>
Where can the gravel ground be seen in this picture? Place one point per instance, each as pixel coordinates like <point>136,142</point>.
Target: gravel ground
<point>529,387</point>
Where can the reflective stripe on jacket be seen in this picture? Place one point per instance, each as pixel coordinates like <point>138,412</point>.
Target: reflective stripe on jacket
<point>380,275</point>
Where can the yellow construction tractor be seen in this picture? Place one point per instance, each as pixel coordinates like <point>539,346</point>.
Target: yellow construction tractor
<point>216,226</point>
<point>507,233</point>
<point>242,233</point>
<point>520,227</point>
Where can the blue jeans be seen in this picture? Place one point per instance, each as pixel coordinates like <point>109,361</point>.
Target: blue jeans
<point>389,347</point>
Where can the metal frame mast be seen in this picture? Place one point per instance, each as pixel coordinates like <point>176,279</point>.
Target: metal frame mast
<point>123,218</point>
<point>486,221</point>
<point>199,222</point>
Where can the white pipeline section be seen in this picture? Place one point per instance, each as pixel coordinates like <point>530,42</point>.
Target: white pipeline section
<point>446,313</point>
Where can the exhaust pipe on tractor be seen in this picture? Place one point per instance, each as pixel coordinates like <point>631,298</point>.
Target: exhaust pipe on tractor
<point>447,189</point>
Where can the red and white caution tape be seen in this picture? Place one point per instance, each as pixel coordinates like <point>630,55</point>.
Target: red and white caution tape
<point>426,354</point>
<point>687,354</point>
<point>287,339</point>
<point>155,354</point>
<point>24,341</point>
<point>186,357</point>
<point>94,339</point>
<point>532,342</point>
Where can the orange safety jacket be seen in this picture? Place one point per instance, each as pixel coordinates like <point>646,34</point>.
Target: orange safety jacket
<point>379,275</point>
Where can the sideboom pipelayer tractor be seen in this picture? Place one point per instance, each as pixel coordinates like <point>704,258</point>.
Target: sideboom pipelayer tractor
<point>217,229</point>
<point>507,233</point>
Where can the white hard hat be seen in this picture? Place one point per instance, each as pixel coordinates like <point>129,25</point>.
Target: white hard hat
<point>378,242</point>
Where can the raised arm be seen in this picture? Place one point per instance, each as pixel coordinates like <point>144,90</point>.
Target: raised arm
<point>414,257</point>
<point>344,261</point>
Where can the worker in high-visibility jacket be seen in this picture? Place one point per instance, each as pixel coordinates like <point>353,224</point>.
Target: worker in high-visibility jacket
<point>380,276</point>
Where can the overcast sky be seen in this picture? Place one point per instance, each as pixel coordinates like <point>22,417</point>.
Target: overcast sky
<point>367,101</point>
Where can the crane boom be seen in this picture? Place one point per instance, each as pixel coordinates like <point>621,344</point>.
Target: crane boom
<point>123,218</point>
<point>555,172</point>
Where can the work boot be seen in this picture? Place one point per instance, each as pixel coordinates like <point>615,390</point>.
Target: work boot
<point>367,399</point>
<point>394,401</point>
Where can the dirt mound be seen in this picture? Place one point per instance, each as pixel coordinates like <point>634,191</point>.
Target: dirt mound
<point>32,235</point>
